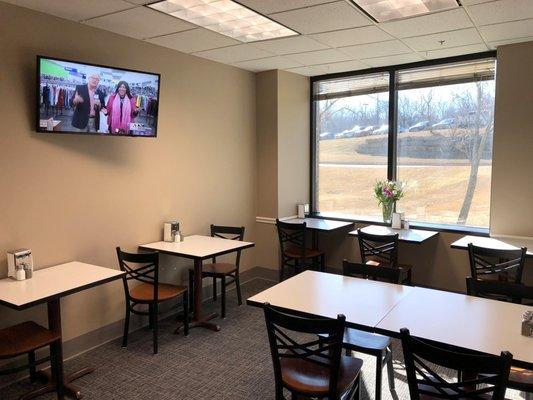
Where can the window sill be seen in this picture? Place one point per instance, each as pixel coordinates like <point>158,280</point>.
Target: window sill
<point>469,230</point>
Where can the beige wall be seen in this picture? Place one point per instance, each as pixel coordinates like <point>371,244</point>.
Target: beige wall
<point>71,197</point>
<point>512,191</point>
<point>293,142</point>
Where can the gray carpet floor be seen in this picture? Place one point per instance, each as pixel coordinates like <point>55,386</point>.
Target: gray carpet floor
<point>231,364</point>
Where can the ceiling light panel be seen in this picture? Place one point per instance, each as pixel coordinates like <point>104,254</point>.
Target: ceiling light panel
<point>387,10</point>
<point>225,17</point>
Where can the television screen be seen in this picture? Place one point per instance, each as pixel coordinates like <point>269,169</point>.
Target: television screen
<point>96,100</point>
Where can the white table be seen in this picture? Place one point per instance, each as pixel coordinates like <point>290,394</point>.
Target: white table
<point>488,326</point>
<point>404,235</point>
<point>199,248</point>
<point>493,243</point>
<point>316,225</point>
<point>49,285</point>
<point>467,322</point>
<point>363,302</point>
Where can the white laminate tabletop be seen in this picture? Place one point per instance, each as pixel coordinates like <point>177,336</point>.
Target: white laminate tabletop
<point>465,321</point>
<point>320,224</point>
<point>404,235</point>
<point>53,282</point>
<point>493,243</point>
<point>363,302</point>
<point>198,246</point>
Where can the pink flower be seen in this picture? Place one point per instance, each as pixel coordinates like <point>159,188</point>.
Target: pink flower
<point>387,192</point>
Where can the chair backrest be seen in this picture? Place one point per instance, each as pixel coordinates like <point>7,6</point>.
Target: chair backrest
<point>142,267</point>
<point>482,376</point>
<point>296,338</point>
<point>231,233</point>
<point>505,264</point>
<point>493,289</point>
<point>380,248</point>
<point>292,235</point>
<point>376,273</point>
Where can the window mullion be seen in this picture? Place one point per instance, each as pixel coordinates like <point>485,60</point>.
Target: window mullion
<point>393,131</point>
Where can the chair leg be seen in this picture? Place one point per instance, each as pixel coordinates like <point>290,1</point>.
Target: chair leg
<point>185,315</point>
<point>238,287</point>
<point>379,373</point>
<point>153,313</point>
<point>322,263</point>
<point>281,272</point>
<point>191,288</point>
<point>126,326</point>
<point>223,295</point>
<point>33,369</point>
<point>390,370</point>
<point>214,288</point>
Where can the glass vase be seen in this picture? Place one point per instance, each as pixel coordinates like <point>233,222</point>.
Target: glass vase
<point>387,209</point>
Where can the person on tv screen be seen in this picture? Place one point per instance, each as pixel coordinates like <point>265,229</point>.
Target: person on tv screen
<point>87,103</point>
<point>121,109</point>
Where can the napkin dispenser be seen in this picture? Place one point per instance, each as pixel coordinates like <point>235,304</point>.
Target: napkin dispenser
<point>302,210</point>
<point>170,230</point>
<point>19,260</point>
<point>397,218</point>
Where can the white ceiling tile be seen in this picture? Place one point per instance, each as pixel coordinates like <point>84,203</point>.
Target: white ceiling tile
<point>140,2</point>
<point>265,64</point>
<point>501,11</point>
<point>495,45</point>
<point>322,18</point>
<point>234,54</point>
<point>308,71</point>
<point>198,39</point>
<point>348,37</point>
<point>344,66</point>
<point>508,30</point>
<point>393,60</point>
<point>295,44</point>
<point>461,37</point>
<point>369,50</point>
<point>140,23</point>
<point>273,6</point>
<point>77,10</point>
<point>470,2</point>
<point>319,57</point>
<point>456,51</point>
<point>428,24</point>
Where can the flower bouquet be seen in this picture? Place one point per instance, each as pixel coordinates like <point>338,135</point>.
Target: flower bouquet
<point>388,193</point>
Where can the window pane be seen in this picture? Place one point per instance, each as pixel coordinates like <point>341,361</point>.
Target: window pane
<point>352,143</point>
<point>445,135</point>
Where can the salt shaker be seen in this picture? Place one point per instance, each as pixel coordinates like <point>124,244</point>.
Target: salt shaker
<point>527,323</point>
<point>20,274</point>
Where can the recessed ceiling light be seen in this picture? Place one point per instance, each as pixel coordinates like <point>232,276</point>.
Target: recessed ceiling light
<point>225,17</point>
<point>386,10</point>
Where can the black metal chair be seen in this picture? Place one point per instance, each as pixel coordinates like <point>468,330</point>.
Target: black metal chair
<point>372,344</point>
<point>222,271</point>
<point>25,339</point>
<point>506,265</point>
<point>294,252</point>
<point>519,378</point>
<point>381,250</point>
<point>149,291</point>
<point>480,376</point>
<point>306,366</point>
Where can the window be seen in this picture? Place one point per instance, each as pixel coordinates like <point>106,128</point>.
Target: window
<point>439,142</point>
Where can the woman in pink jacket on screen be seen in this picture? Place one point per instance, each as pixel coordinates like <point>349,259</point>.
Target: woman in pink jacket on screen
<point>121,109</point>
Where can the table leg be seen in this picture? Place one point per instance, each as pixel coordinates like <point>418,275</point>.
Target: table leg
<point>314,239</point>
<point>199,320</point>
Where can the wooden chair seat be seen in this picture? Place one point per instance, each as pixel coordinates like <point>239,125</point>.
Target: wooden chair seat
<point>355,339</point>
<point>23,338</point>
<point>144,293</point>
<point>295,252</point>
<point>307,377</point>
<point>218,269</point>
<point>521,379</point>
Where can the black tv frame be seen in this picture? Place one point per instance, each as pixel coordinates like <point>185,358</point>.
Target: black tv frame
<point>38,94</point>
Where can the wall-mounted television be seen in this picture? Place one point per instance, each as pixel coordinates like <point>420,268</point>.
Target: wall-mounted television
<point>89,99</point>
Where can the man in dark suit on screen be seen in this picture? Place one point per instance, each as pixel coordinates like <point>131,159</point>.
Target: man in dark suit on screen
<point>87,103</point>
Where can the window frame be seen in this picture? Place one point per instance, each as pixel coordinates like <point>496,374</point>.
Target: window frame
<point>392,164</point>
